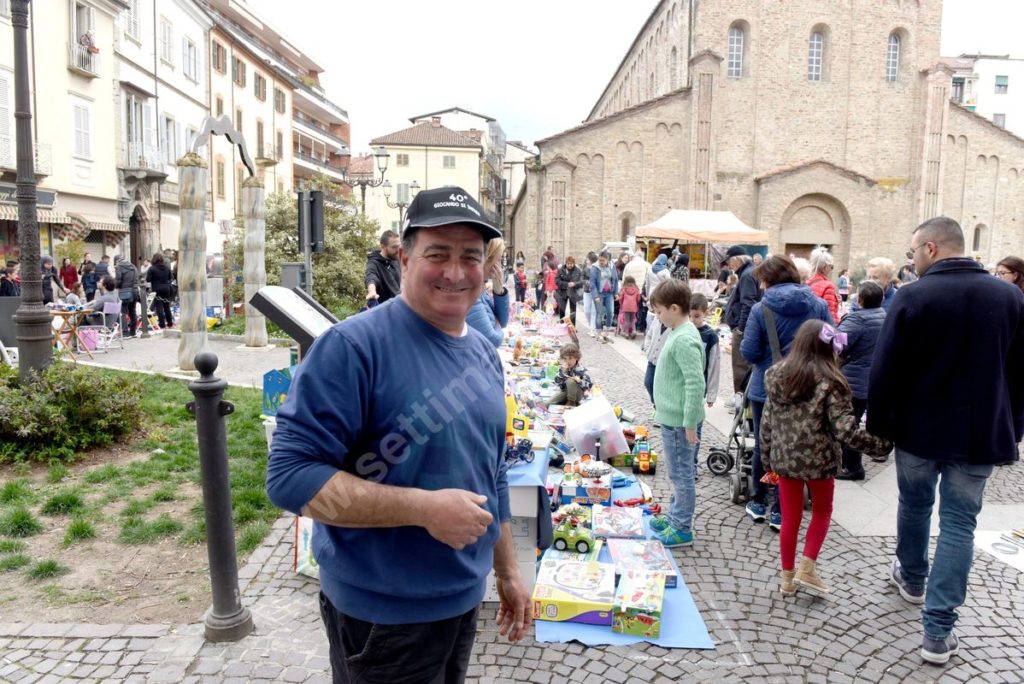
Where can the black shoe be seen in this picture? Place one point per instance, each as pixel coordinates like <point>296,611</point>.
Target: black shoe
<point>845,474</point>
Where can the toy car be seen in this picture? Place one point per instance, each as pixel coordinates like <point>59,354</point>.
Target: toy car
<point>645,462</point>
<point>569,533</point>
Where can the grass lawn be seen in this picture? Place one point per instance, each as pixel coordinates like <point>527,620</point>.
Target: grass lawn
<point>145,490</point>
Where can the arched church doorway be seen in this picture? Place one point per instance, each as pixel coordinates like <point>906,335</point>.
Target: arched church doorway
<point>138,226</point>
<point>816,219</point>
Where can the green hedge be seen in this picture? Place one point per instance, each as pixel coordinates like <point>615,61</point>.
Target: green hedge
<point>64,411</point>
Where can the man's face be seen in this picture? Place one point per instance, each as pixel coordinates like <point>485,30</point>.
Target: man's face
<point>757,258</point>
<point>602,261</point>
<point>924,252</point>
<point>390,250</point>
<point>443,274</point>
<point>734,263</point>
<point>874,273</point>
<point>88,257</point>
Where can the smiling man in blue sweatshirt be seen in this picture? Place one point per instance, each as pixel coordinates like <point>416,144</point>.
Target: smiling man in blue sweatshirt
<point>399,457</point>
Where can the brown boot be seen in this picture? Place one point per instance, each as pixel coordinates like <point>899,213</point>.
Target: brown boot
<point>807,577</point>
<point>788,588</point>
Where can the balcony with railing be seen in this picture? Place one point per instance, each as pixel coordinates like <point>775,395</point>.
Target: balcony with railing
<point>266,155</point>
<point>320,164</point>
<point>43,157</point>
<point>84,59</point>
<point>144,162</point>
<point>316,128</point>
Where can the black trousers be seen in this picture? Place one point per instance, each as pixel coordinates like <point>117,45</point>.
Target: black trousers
<point>852,459</point>
<point>128,309</point>
<point>420,653</point>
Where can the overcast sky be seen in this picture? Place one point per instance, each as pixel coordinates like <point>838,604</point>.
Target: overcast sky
<point>538,66</point>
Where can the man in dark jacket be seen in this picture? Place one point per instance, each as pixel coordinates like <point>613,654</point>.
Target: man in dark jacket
<point>947,386</point>
<point>127,280</point>
<point>383,278</point>
<point>742,300</point>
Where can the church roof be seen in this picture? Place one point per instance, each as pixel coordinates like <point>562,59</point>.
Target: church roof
<point>451,110</point>
<point>426,134</point>
<point>808,163</point>
<point>616,116</point>
<point>986,120</point>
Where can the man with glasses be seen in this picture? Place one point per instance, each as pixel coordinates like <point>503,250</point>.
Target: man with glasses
<point>947,386</point>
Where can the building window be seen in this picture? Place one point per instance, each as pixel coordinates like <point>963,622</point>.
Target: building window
<point>238,189</point>
<point>735,62</point>
<point>259,87</point>
<point>279,103</point>
<point>189,59</point>
<point>190,137</point>
<point>218,170</point>
<point>958,91</point>
<point>131,19</point>
<point>238,120</point>
<point>259,138</point>
<point>220,106</point>
<point>220,57</point>
<point>815,55</point>
<point>448,161</point>
<point>673,73</point>
<point>558,210</point>
<point>83,131</point>
<point>892,58</point>
<point>1002,85</point>
<point>168,140</point>
<point>280,145</point>
<point>83,24</point>
<point>979,235</point>
<point>402,193</point>
<point>238,72</point>
<point>403,160</point>
<point>999,120</point>
<point>166,41</point>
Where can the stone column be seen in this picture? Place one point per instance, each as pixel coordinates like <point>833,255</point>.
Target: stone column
<point>192,258</point>
<point>254,209</point>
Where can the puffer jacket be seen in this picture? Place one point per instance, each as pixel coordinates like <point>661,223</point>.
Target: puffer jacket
<point>791,305</point>
<point>804,440</point>
<point>862,328</point>
<point>127,279</point>
<point>823,288</point>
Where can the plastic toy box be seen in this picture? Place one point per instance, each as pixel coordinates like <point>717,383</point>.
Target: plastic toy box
<point>638,601</point>
<point>644,556</point>
<point>586,490</point>
<point>616,521</point>
<point>571,591</point>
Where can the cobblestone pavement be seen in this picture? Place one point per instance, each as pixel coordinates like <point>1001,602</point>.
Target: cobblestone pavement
<point>862,633</point>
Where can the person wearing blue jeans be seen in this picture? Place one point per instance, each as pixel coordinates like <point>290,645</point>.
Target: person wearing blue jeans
<point>679,398</point>
<point>604,282</point>
<point>960,488</point>
<point>950,426</point>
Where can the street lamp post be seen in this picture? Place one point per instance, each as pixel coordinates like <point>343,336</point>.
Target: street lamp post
<point>35,339</point>
<point>382,165</point>
<point>400,206</point>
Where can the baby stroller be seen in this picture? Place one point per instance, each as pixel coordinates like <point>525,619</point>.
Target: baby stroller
<point>739,450</point>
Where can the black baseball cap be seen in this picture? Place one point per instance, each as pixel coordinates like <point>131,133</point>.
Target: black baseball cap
<point>444,206</point>
<point>735,250</point>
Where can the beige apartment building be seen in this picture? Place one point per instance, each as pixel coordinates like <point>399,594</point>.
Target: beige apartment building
<point>72,70</point>
<point>820,123</point>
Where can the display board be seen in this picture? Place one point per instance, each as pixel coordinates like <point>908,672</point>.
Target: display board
<point>295,312</point>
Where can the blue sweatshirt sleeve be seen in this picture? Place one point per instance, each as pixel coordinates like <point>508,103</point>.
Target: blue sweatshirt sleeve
<point>309,444</point>
<point>481,318</point>
<point>754,342</point>
<point>501,309</point>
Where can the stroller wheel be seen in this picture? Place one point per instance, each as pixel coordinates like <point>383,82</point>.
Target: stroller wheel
<point>719,462</point>
<point>735,489</point>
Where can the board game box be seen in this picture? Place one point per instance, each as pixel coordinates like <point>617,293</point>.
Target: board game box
<point>644,555</point>
<point>571,591</point>
<point>618,521</point>
<point>638,601</point>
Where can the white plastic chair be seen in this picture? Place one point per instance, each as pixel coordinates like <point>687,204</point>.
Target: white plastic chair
<point>110,331</point>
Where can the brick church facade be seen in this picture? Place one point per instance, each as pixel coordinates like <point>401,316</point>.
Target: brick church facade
<point>821,122</point>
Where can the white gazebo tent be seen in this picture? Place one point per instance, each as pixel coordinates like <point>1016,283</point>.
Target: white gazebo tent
<point>698,226</point>
<point>688,225</point>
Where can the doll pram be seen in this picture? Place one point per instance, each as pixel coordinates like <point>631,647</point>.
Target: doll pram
<point>739,450</point>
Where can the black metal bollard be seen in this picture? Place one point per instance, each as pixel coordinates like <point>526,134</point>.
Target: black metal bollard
<point>227,619</point>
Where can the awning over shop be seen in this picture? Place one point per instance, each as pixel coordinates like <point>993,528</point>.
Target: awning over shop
<point>9,212</point>
<point>702,226</point>
<point>104,223</point>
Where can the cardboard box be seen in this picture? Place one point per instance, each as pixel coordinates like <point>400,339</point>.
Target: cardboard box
<point>586,490</point>
<point>618,521</point>
<point>638,601</point>
<point>524,536</point>
<point>643,555</point>
<point>570,591</point>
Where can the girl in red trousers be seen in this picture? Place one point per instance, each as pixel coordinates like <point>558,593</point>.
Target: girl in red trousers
<point>629,304</point>
<point>807,418</point>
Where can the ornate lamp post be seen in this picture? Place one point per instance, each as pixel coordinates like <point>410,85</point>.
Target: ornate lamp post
<point>400,206</point>
<point>35,338</point>
<point>367,182</point>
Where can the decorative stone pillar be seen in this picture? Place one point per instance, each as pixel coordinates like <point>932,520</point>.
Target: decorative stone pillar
<point>254,210</point>
<point>192,176</point>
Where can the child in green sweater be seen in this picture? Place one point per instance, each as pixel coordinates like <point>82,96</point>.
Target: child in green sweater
<point>679,398</point>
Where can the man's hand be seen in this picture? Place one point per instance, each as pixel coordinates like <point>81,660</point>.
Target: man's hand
<point>514,615</point>
<point>455,517</point>
<point>371,291</point>
<point>691,435</point>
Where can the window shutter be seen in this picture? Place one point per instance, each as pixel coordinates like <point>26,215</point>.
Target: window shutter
<point>92,20</point>
<point>180,143</point>
<point>148,131</point>
<point>5,121</point>
<point>184,56</point>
